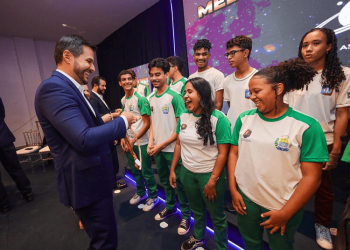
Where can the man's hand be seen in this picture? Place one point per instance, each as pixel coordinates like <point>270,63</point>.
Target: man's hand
<point>149,146</point>
<point>107,118</point>
<point>172,179</point>
<point>129,117</point>
<point>238,203</point>
<point>118,111</point>
<point>333,161</point>
<point>210,192</point>
<point>123,145</point>
<point>155,149</point>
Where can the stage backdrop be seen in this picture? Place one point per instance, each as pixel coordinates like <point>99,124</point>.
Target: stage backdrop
<point>275,27</point>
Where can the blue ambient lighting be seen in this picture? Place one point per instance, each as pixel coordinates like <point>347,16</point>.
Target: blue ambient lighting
<point>208,228</point>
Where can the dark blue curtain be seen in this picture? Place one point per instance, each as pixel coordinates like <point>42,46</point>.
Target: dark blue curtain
<point>147,36</point>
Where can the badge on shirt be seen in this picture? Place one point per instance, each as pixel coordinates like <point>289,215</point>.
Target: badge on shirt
<point>283,143</point>
<point>326,90</point>
<point>152,108</point>
<point>183,126</point>
<point>247,94</point>
<point>165,110</point>
<point>247,133</point>
<point>131,107</point>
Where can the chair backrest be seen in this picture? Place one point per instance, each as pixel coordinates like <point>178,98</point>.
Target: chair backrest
<point>38,126</point>
<point>32,137</point>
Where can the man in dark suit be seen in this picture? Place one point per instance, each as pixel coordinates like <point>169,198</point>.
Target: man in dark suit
<point>80,142</point>
<point>98,84</point>
<point>9,160</point>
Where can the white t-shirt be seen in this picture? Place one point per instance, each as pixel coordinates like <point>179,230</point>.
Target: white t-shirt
<point>236,91</point>
<point>321,103</point>
<point>270,152</point>
<point>179,86</point>
<point>197,157</point>
<point>164,110</point>
<point>214,77</point>
<point>138,106</point>
<point>142,89</point>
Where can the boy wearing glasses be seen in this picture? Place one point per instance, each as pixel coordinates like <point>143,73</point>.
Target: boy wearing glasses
<point>215,78</point>
<point>236,89</point>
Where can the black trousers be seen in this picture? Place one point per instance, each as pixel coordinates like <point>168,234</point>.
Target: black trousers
<point>9,160</point>
<point>100,224</point>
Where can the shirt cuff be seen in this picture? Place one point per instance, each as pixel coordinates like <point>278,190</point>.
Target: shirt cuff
<point>126,122</point>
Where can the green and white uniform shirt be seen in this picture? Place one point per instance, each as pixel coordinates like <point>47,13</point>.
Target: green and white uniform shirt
<point>142,89</point>
<point>236,91</point>
<point>165,108</point>
<point>270,152</point>
<point>197,157</point>
<point>320,102</point>
<point>179,86</point>
<point>138,106</point>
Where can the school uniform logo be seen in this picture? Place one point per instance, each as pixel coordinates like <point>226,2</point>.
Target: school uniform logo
<point>183,126</point>
<point>247,133</point>
<point>165,110</point>
<point>326,90</point>
<point>283,143</point>
<point>152,108</point>
<point>247,94</point>
<point>131,107</point>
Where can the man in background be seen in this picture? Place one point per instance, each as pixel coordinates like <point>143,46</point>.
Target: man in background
<point>9,160</point>
<point>178,80</point>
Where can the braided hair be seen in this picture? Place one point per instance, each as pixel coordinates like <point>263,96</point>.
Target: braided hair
<point>203,125</point>
<point>332,74</point>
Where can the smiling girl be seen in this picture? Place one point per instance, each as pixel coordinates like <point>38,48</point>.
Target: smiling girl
<point>275,161</point>
<point>203,142</point>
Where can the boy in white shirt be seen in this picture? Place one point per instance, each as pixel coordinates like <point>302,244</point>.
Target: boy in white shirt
<point>166,107</point>
<point>215,78</point>
<point>178,80</point>
<point>236,89</point>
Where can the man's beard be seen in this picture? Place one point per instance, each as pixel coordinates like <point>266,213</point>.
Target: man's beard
<point>80,73</point>
<point>101,92</point>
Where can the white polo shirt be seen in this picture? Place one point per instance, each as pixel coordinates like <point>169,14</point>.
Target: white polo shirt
<point>236,91</point>
<point>270,152</point>
<point>321,103</point>
<point>197,157</point>
<point>164,110</point>
<point>214,77</point>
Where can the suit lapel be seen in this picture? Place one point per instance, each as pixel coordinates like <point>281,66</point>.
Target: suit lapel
<point>83,99</point>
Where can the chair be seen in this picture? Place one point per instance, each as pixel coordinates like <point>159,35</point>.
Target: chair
<point>33,144</point>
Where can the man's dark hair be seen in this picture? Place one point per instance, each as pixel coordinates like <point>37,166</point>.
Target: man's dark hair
<point>176,61</point>
<point>132,73</point>
<point>96,80</point>
<point>126,72</point>
<point>74,44</point>
<point>159,63</point>
<point>204,43</point>
<point>244,42</point>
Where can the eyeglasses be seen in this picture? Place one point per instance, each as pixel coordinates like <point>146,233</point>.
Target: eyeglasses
<point>232,53</point>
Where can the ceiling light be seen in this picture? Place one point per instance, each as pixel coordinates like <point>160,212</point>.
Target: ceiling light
<point>64,25</point>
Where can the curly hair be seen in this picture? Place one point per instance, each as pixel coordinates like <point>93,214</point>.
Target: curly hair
<point>203,125</point>
<point>203,43</point>
<point>332,74</point>
<point>244,42</point>
<point>159,63</point>
<point>176,61</point>
<point>294,74</point>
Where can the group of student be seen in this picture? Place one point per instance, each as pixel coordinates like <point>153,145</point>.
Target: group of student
<point>280,139</point>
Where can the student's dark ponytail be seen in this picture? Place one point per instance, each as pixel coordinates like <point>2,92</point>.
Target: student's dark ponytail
<point>293,73</point>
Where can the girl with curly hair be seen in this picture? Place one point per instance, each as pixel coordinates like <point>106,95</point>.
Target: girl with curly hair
<point>276,158</point>
<point>203,142</point>
<point>327,99</point>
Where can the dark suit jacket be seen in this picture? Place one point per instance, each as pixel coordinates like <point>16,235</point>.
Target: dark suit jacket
<point>81,144</point>
<point>98,104</point>
<point>6,137</point>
